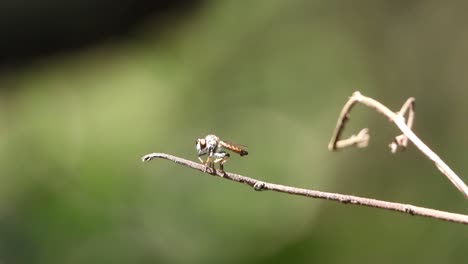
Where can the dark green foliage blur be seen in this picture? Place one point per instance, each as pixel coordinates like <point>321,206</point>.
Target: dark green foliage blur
<point>272,75</point>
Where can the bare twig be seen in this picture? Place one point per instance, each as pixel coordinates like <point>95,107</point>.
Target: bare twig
<point>401,140</point>
<point>361,140</point>
<point>345,199</point>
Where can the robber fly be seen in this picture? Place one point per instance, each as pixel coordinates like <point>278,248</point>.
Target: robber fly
<point>214,147</point>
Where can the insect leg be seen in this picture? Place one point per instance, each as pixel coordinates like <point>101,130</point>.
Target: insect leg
<point>221,158</point>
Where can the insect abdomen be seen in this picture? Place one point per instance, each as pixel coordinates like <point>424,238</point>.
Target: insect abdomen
<point>235,149</point>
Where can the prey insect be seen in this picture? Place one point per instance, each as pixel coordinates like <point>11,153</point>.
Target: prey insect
<point>215,148</point>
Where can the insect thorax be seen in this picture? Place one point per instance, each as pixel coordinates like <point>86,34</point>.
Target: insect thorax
<point>212,142</point>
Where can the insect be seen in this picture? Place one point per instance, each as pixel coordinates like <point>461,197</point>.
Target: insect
<point>214,147</point>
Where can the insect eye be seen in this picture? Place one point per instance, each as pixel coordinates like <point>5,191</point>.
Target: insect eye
<point>200,142</point>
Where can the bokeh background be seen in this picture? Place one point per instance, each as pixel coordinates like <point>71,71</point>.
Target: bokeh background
<point>88,87</point>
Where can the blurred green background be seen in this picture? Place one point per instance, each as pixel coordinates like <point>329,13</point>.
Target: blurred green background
<point>272,75</point>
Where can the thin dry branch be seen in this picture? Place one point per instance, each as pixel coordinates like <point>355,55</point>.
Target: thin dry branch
<point>342,198</point>
<point>361,140</point>
<point>400,141</point>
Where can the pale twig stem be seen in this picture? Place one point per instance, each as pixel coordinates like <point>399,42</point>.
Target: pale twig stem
<point>402,140</point>
<point>361,140</point>
<point>405,128</point>
<point>342,198</point>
